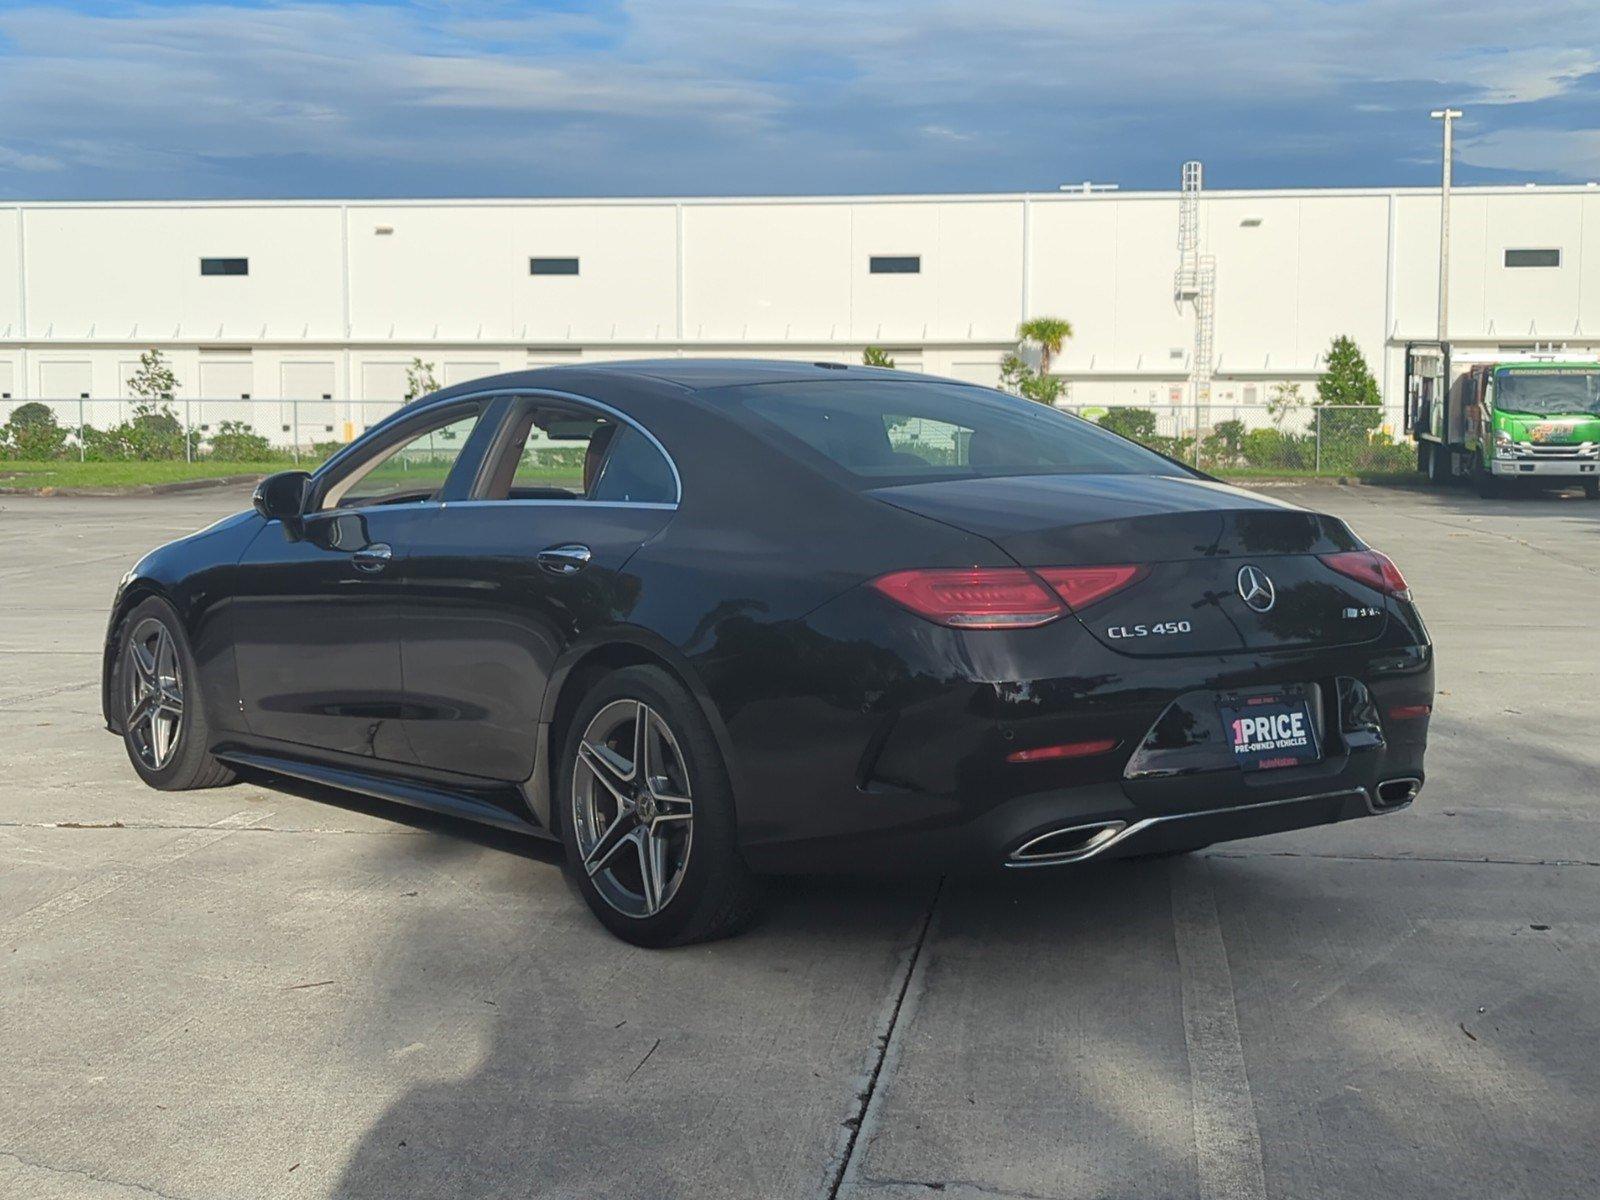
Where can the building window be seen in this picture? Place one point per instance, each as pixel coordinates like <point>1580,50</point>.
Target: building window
<point>895,264</point>
<point>224,266</point>
<point>552,266</point>
<point>1533,258</point>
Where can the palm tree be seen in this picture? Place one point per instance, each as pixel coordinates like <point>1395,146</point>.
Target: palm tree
<point>1048,333</point>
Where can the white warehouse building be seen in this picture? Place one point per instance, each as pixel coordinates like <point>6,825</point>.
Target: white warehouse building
<point>329,301</point>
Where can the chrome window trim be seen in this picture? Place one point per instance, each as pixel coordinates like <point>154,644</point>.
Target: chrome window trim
<point>661,504</point>
<point>519,393</point>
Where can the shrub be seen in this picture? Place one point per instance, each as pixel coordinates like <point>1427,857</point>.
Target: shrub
<point>154,433</point>
<point>321,451</point>
<point>1018,378</point>
<point>32,433</point>
<point>1136,424</point>
<point>1224,445</point>
<point>236,441</point>
<point>1274,448</point>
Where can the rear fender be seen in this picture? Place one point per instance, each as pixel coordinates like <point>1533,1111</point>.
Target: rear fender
<point>611,649</point>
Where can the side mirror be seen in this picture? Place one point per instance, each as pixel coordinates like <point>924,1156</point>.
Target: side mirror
<point>282,497</point>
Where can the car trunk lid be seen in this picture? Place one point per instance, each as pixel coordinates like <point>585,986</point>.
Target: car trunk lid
<point>1225,570</point>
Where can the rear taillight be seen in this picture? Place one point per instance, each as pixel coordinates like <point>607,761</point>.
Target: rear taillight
<point>1064,750</point>
<point>1002,597</point>
<point>1371,568</point>
<point>1079,586</point>
<point>973,598</point>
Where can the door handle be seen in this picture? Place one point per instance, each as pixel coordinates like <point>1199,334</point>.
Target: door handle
<point>564,560</point>
<point>373,558</point>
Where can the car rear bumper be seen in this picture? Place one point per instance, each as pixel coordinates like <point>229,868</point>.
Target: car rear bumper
<point>1061,829</point>
<point>920,771</point>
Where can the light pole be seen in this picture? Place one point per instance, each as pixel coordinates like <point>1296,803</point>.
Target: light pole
<point>1447,115</point>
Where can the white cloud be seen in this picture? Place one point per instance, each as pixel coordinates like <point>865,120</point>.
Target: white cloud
<point>19,161</point>
<point>1566,153</point>
<point>737,94</point>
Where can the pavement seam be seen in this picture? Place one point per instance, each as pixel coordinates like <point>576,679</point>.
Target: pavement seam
<point>146,827</point>
<point>34,1164</point>
<point>64,904</point>
<point>47,693</point>
<point>887,1039</point>
<point>1416,858</point>
<point>1227,1141</point>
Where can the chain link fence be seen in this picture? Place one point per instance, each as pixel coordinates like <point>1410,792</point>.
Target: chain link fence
<point>1256,439</point>
<point>304,432</point>
<point>1221,438</point>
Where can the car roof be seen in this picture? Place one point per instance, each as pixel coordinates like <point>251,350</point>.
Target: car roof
<point>691,374</point>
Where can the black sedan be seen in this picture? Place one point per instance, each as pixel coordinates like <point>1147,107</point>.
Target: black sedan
<point>704,620</point>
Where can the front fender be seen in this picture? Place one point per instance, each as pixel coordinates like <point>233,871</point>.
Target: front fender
<point>194,575</point>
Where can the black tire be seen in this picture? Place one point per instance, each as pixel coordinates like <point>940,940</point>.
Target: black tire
<point>1487,483</point>
<point>182,761</point>
<point>706,892</point>
<point>1438,465</point>
<point>1591,489</point>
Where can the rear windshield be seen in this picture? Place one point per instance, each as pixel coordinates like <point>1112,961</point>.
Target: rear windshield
<point>884,430</point>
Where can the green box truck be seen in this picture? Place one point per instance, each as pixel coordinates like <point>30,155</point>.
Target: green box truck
<point>1496,416</point>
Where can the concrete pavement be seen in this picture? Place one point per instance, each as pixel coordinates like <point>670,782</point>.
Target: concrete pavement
<point>270,990</point>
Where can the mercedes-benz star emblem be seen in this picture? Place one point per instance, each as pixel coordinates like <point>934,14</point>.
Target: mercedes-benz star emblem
<point>1256,590</point>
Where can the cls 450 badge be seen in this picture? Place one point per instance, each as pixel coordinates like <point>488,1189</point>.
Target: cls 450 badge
<point>1159,629</point>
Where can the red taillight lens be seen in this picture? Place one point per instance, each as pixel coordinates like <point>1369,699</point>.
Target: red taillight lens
<point>1079,586</point>
<point>1371,568</point>
<point>1409,712</point>
<point>975,598</point>
<point>1065,750</point>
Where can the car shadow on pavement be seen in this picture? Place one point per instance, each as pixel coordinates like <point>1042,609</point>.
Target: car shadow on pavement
<point>495,1041</point>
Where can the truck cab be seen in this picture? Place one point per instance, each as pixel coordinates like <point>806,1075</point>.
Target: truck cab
<point>1494,417</point>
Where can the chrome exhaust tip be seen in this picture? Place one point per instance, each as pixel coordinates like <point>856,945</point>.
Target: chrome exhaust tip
<point>1074,843</point>
<point>1396,793</point>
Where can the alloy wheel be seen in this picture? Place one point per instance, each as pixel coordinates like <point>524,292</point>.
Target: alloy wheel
<point>154,682</point>
<point>632,809</point>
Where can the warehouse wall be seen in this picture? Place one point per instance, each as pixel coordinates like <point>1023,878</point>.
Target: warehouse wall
<point>341,296</point>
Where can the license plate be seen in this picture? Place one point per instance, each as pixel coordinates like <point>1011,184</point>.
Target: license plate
<point>1270,730</point>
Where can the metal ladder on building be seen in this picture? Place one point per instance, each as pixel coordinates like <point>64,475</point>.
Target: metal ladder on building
<point>1195,284</point>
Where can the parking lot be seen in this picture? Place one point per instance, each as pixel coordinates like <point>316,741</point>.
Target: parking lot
<point>268,990</point>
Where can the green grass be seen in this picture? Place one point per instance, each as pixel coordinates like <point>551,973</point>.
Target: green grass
<point>1391,478</point>
<point>118,476</point>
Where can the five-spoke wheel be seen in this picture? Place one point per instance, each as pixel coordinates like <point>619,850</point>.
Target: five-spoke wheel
<point>632,809</point>
<point>158,692</point>
<point>647,813</point>
<point>154,682</point>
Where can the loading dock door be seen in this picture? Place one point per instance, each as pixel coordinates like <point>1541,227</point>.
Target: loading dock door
<point>308,413</point>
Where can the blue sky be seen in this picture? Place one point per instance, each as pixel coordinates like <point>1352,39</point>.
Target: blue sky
<point>599,97</point>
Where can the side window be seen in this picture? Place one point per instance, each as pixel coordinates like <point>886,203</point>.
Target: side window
<point>563,453</point>
<point>410,470</point>
<point>634,471</point>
